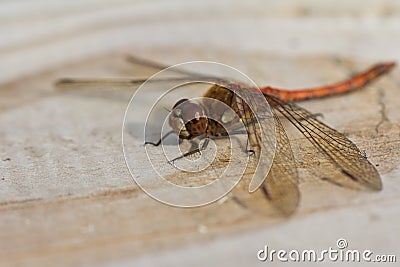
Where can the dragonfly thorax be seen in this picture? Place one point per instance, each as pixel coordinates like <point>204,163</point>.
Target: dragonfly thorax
<point>188,119</point>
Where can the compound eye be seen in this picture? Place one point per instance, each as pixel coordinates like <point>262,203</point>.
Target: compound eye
<point>180,102</point>
<point>188,110</point>
<point>191,111</point>
<point>188,119</point>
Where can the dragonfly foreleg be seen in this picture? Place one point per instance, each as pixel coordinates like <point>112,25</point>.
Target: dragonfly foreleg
<point>249,152</point>
<point>194,150</point>
<point>159,141</point>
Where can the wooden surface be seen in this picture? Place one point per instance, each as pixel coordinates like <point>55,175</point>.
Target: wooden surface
<point>66,196</point>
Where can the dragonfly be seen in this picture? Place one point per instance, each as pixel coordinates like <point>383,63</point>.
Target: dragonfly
<point>280,186</point>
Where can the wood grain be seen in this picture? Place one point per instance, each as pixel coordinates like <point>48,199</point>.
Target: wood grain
<point>66,196</point>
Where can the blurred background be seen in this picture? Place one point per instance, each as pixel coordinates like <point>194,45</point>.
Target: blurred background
<point>46,34</point>
<point>66,196</point>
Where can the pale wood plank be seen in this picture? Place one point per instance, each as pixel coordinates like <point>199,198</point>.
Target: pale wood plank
<point>66,195</point>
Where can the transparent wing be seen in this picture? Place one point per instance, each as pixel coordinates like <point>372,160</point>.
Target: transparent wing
<point>337,147</point>
<point>67,83</point>
<point>64,83</point>
<point>281,184</point>
<point>258,118</point>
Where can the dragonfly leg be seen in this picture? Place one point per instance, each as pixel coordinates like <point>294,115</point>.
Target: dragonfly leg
<point>193,151</point>
<point>249,152</point>
<point>196,149</point>
<point>159,141</point>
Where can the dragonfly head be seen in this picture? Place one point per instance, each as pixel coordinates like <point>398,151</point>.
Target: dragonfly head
<point>188,119</point>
